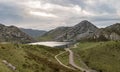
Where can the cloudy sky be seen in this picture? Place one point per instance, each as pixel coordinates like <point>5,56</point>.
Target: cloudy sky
<point>49,14</point>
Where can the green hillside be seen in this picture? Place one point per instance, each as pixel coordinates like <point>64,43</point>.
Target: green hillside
<point>28,58</point>
<point>53,34</point>
<point>101,56</point>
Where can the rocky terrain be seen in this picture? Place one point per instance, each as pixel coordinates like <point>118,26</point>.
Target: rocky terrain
<point>13,34</point>
<point>84,30</point>
<point>109,33</point>
<point>80,31</point>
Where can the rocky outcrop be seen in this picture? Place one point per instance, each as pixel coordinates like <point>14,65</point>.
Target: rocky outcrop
<point>13,34</point>
<point>77,32</point>
<point>84,31</point>
<point>109,33</point>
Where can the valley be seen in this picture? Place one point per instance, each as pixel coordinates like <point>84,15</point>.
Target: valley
<point>59,35</point>
<point>81,48</point>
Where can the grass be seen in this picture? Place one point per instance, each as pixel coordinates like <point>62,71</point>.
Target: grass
<point>86,45</point>
<point>28,58</point>
<point>64,58</point>
<point>3,67</point>
<point>101,56</point>
<point>82,46</point>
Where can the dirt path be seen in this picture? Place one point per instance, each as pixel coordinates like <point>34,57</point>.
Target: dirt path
<point>71,61</point>
<point>56,57</point>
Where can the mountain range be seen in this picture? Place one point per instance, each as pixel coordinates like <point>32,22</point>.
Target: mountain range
<point>84,30</point>
<point>13,34</point>
<point>33,33</point>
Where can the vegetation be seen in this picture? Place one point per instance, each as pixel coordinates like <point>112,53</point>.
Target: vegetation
<point>101,56</point>
<point>53,34</point>
<point>28,58</point>
<point>64,58</point>
<point>3,67</point>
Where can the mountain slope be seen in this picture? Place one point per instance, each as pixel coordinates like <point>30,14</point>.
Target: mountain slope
<point>109,33</point>
<point>100,56</point>
<point>77,32</point>
<point>13,34</point>
<point>33,33</point>
<point>53,34</point>
<point>28,58</point>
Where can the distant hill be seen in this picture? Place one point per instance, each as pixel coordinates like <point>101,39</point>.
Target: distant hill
<point>33,33</point>
<point>13,34</point>
<point>77,32</point>
<point>53,34</point>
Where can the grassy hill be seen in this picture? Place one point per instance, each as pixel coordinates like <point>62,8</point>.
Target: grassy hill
<point>53,34</point>
<point>101,56</point>
<point>28,58</point>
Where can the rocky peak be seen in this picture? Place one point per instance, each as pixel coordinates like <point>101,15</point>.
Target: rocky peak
<point>84,27</point>
<point>13,34</point>
<point>84,23</point>
<point>1,24</point>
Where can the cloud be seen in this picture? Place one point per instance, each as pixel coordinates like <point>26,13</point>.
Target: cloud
<point>42,14</point>
<point>49,14</point>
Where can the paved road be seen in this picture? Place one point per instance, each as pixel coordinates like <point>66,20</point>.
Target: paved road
<point>61,62</point>
<point>71,61</point>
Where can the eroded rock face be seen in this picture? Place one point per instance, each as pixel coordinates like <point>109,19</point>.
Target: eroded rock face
<point>84,31</point>
<point>114,36</point>
<point>77,32</point>
<point>13,34</point>
<point>81,30</point>
<point>109,33</point>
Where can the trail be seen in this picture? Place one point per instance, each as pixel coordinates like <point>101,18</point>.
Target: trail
<point>61,62</point>
<point>72,62</point>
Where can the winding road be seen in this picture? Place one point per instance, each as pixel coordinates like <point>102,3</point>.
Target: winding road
<point>71,61</point>
<point>56,57</point>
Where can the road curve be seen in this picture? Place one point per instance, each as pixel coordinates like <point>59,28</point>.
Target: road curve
<point>61,62</point>
<point>71,61</point>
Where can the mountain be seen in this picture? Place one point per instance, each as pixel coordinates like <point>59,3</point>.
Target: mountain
<point>53,34</point>
<point>13,34</point>
<point>33,33</point>
<point>77,32</point>
<point>109,33</point>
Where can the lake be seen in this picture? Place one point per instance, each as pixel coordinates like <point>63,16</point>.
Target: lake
<point>51,43</point>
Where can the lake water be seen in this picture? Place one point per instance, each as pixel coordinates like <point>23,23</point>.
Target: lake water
<point>50,43</point>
